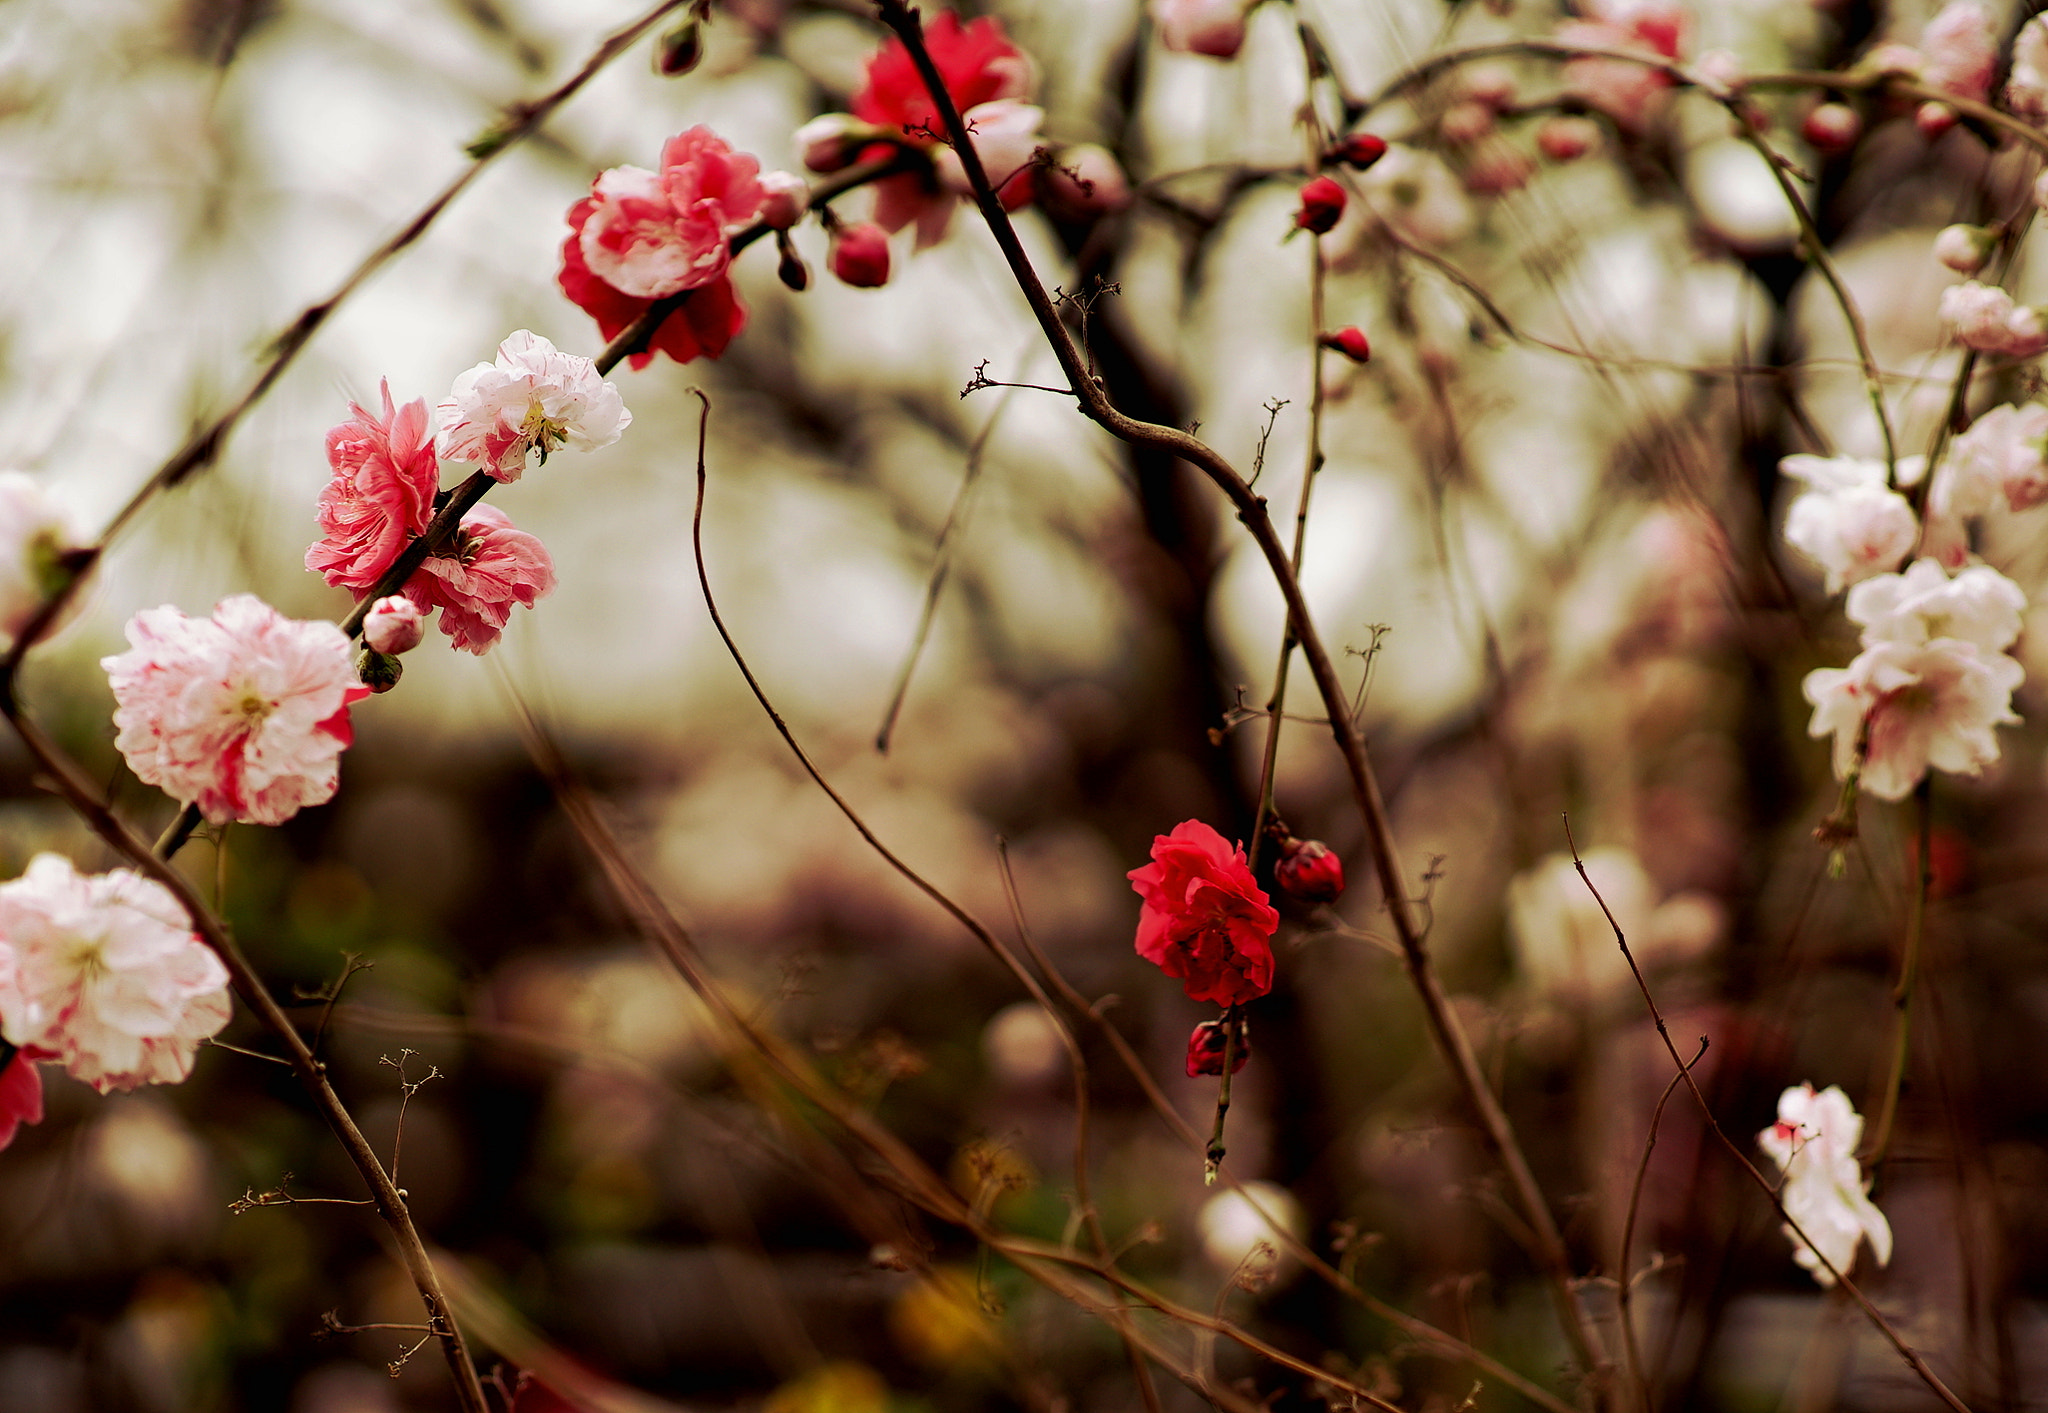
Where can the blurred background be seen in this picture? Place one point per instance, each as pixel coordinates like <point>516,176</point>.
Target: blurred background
<point>1543,540</point>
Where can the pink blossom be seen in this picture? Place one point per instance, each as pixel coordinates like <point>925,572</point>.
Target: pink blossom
<point>394,625</point>
<point>21,1088</point>
<point>2005,453</point>
<point>109,977</point>
<point>1959,49</point>
<point>1566,139</point>
<point>35,534</point>
<point>1979,606</point>
<point>244,714</point>
<point>382,494</point>
<point>654,234</point>
<point>1930,704</point>
<point>491,568</point>
<point>2026,87</point>
<point>1085,181</point>
<point>1849,522</point>
<point>1814,1145</point>
<point>1005,137</point>
<point>532,399</point>
<point>1212,27</point>
<point>1984,317</point>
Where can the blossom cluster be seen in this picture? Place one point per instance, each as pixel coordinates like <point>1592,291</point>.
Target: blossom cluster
<point>103,975</point>
<point>1825,1193</point>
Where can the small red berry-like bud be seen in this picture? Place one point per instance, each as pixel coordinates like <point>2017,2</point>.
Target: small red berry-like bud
<point>860,255</point>
<point>1349,342</point>
<point>1934,119</point>
<point>1567,139</point>
<point>1310,872</point>
<point>1206,1046</point>
<point>1322,203</point>
<point>790,269</point>
<point>1360,150</point>
<point>1832,128</point>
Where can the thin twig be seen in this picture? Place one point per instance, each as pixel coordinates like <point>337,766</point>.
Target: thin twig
<point>1909,973</point>
<point>1625,1283</point>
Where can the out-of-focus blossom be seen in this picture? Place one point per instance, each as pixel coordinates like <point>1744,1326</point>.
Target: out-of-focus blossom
<point>1414,192</point>
<point>1005,136</point>
<point>1848,521</point>
<point>1627,92</point>
<point>35,537</point>
<point>1832,128</point>
<point>381,495</point>
<point>533,399</point>
<point>1930,704</point>
<point>1934,119</point>
<point>1322,206</point>
<point>1207,1042</point>
<point>1721,68</point>
<point>1497,167</point>
<point>1490,84</point>
<point>1959,49</point>
<point>1984,317</point>
<point>1465,122</point>
<point>1358,150</point>
<point>394,625</point>
<point>108,976</point>
<point>1814,1145</point>
<point>1893,57</point>
<point>1564,944</point>
<point>2026,87</point>
<point>244,715</point>
<point>1566,139</point>
<point>1204,920</point>
<point>832,142</point>
<point>1084,181</point>
<point>1234,1224</point>
<point>859,255</point>
<point>21,1088</point>
<point>1349,341</point>
<point>492,568</point>
<point>785,197</point>
<point>1964,249</point>
<point>2004,454</point>
<point>1212,27</point>
<point>1979,606</point>
<point>977,65</point>
<point>1310,871</point>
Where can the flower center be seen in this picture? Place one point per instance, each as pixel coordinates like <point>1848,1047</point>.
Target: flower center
<point>541,432</point>
<point>88,958</point>
<point>254,708</point>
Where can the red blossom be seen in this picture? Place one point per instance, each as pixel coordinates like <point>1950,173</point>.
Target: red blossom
<point>382,494</point>
<point>1204,920</point>
<point>1310,872</point>
<point>860,255</point>
<point>1359,150</point>
<point>1206,1045</point>
<point>494,567</point>
<point>975,62</point>
<point>707,320</point>
<point>21,1094</point>
<point>1349,341</point>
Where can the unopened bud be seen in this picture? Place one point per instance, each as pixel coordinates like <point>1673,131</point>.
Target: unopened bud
<point>1465,123</point>
<point>1965,249</point>
<point>1207,1043</point>
<point>1322,205</point>
<point>378,671</point>
<point>1348,341</point>
<point>832,142</point>
<point>785,197</point>
<point>1359,150</point>
<point>679,50</point>
<point>860,255</point>
<point>1567,139</point>
<point>1309,871</point>
<point>1934,119</point>
<point>790,269</point>
<point>394,625</point>
<point>1832,128</point>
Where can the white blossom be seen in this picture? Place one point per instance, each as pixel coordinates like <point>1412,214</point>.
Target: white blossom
<point>532,399</point>
<point>1814,1145</point>
<point>1979,606</point>
<point>1849,522</point>
<point>2001,455</point>
<point>35,531</point>
<point>1984,317</point>
<point>1930,704</point>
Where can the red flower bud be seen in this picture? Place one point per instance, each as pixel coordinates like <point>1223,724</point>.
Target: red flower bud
<point>1360,150</point>
<point>1310,872</point>
<point>860,255</point>
<point>1322,202</point>
<point>790,268</point>
<point>1349,342</point>
<point>1206,1045</point>
<point>1934,119</point>
<point>1832,128</point>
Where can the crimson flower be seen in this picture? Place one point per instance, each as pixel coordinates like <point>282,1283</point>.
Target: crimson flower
<point>1310,871</point>
<point>21,1094</point>
<point>1207,1042</point>
<point>1322,204</point>
<point>1204,920</point>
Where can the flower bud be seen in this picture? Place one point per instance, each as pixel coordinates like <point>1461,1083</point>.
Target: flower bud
<point>785,198</point>
<point>1206,1045</point>
<point>1322,204</point>
<point>832,142</point>
<point>1360,150</point>
<point>1934,119</point>
<point>860,255</point>
<point>378,671</point>
<point>1832,128</point>
<point>1309,871</point>
<point>790,269</point>
<point>679,50</point>
<point>1083,182</point>
<point>1567,139</point>
<point>1348,341</point>
<point>1964,249</point>
<point>1465,123</point>
<point>394,625</point>
<point>1491,84</point>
